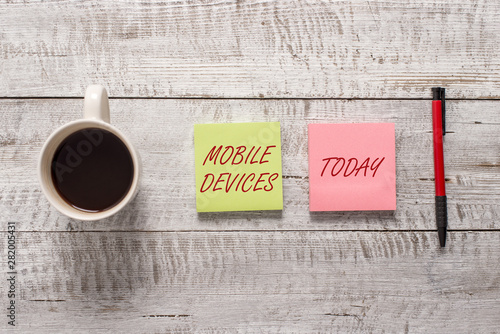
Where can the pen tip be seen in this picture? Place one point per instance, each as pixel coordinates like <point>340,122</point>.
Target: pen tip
<point>436,93</point>
<point>442,237</point>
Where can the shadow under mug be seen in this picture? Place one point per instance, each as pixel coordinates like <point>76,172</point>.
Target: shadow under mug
<point>96,116</point>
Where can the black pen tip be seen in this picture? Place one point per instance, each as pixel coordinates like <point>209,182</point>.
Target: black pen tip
<point>437,93</point>
<point>442,236</point>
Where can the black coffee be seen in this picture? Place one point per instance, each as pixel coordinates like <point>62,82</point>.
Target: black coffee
<point>92,170</point>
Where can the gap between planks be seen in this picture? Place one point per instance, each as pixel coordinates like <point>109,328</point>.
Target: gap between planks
<point>262,231</point>
<point>245,98</point>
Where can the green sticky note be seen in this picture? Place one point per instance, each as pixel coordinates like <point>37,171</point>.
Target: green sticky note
<point>238,167</point>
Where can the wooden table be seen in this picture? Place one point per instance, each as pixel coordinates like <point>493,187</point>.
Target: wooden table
<point>158,266</point>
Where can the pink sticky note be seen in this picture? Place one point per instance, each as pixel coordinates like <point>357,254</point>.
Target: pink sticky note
<point>352,167</point>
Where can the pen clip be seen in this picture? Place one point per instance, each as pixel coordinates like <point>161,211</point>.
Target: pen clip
<point>443,109</point>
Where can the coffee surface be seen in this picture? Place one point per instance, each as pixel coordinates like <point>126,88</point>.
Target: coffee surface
<point>92,170</point>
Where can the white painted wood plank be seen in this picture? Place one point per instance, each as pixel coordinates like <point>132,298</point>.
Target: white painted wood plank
<point>381,49</point>
<point>257,282</point>
<point>163,133</point>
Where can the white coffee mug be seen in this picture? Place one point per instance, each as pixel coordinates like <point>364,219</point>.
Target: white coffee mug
<point>95,115</point>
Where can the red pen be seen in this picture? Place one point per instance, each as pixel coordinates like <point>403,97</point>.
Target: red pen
<point>438,129</point>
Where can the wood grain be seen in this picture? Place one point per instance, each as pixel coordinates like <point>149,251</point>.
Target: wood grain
<point>257,282</point>
<point>163,133</point>
<point>158,266</point>
<point>348,49</point>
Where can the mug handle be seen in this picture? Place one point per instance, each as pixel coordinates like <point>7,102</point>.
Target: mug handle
<point>96,103</point>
